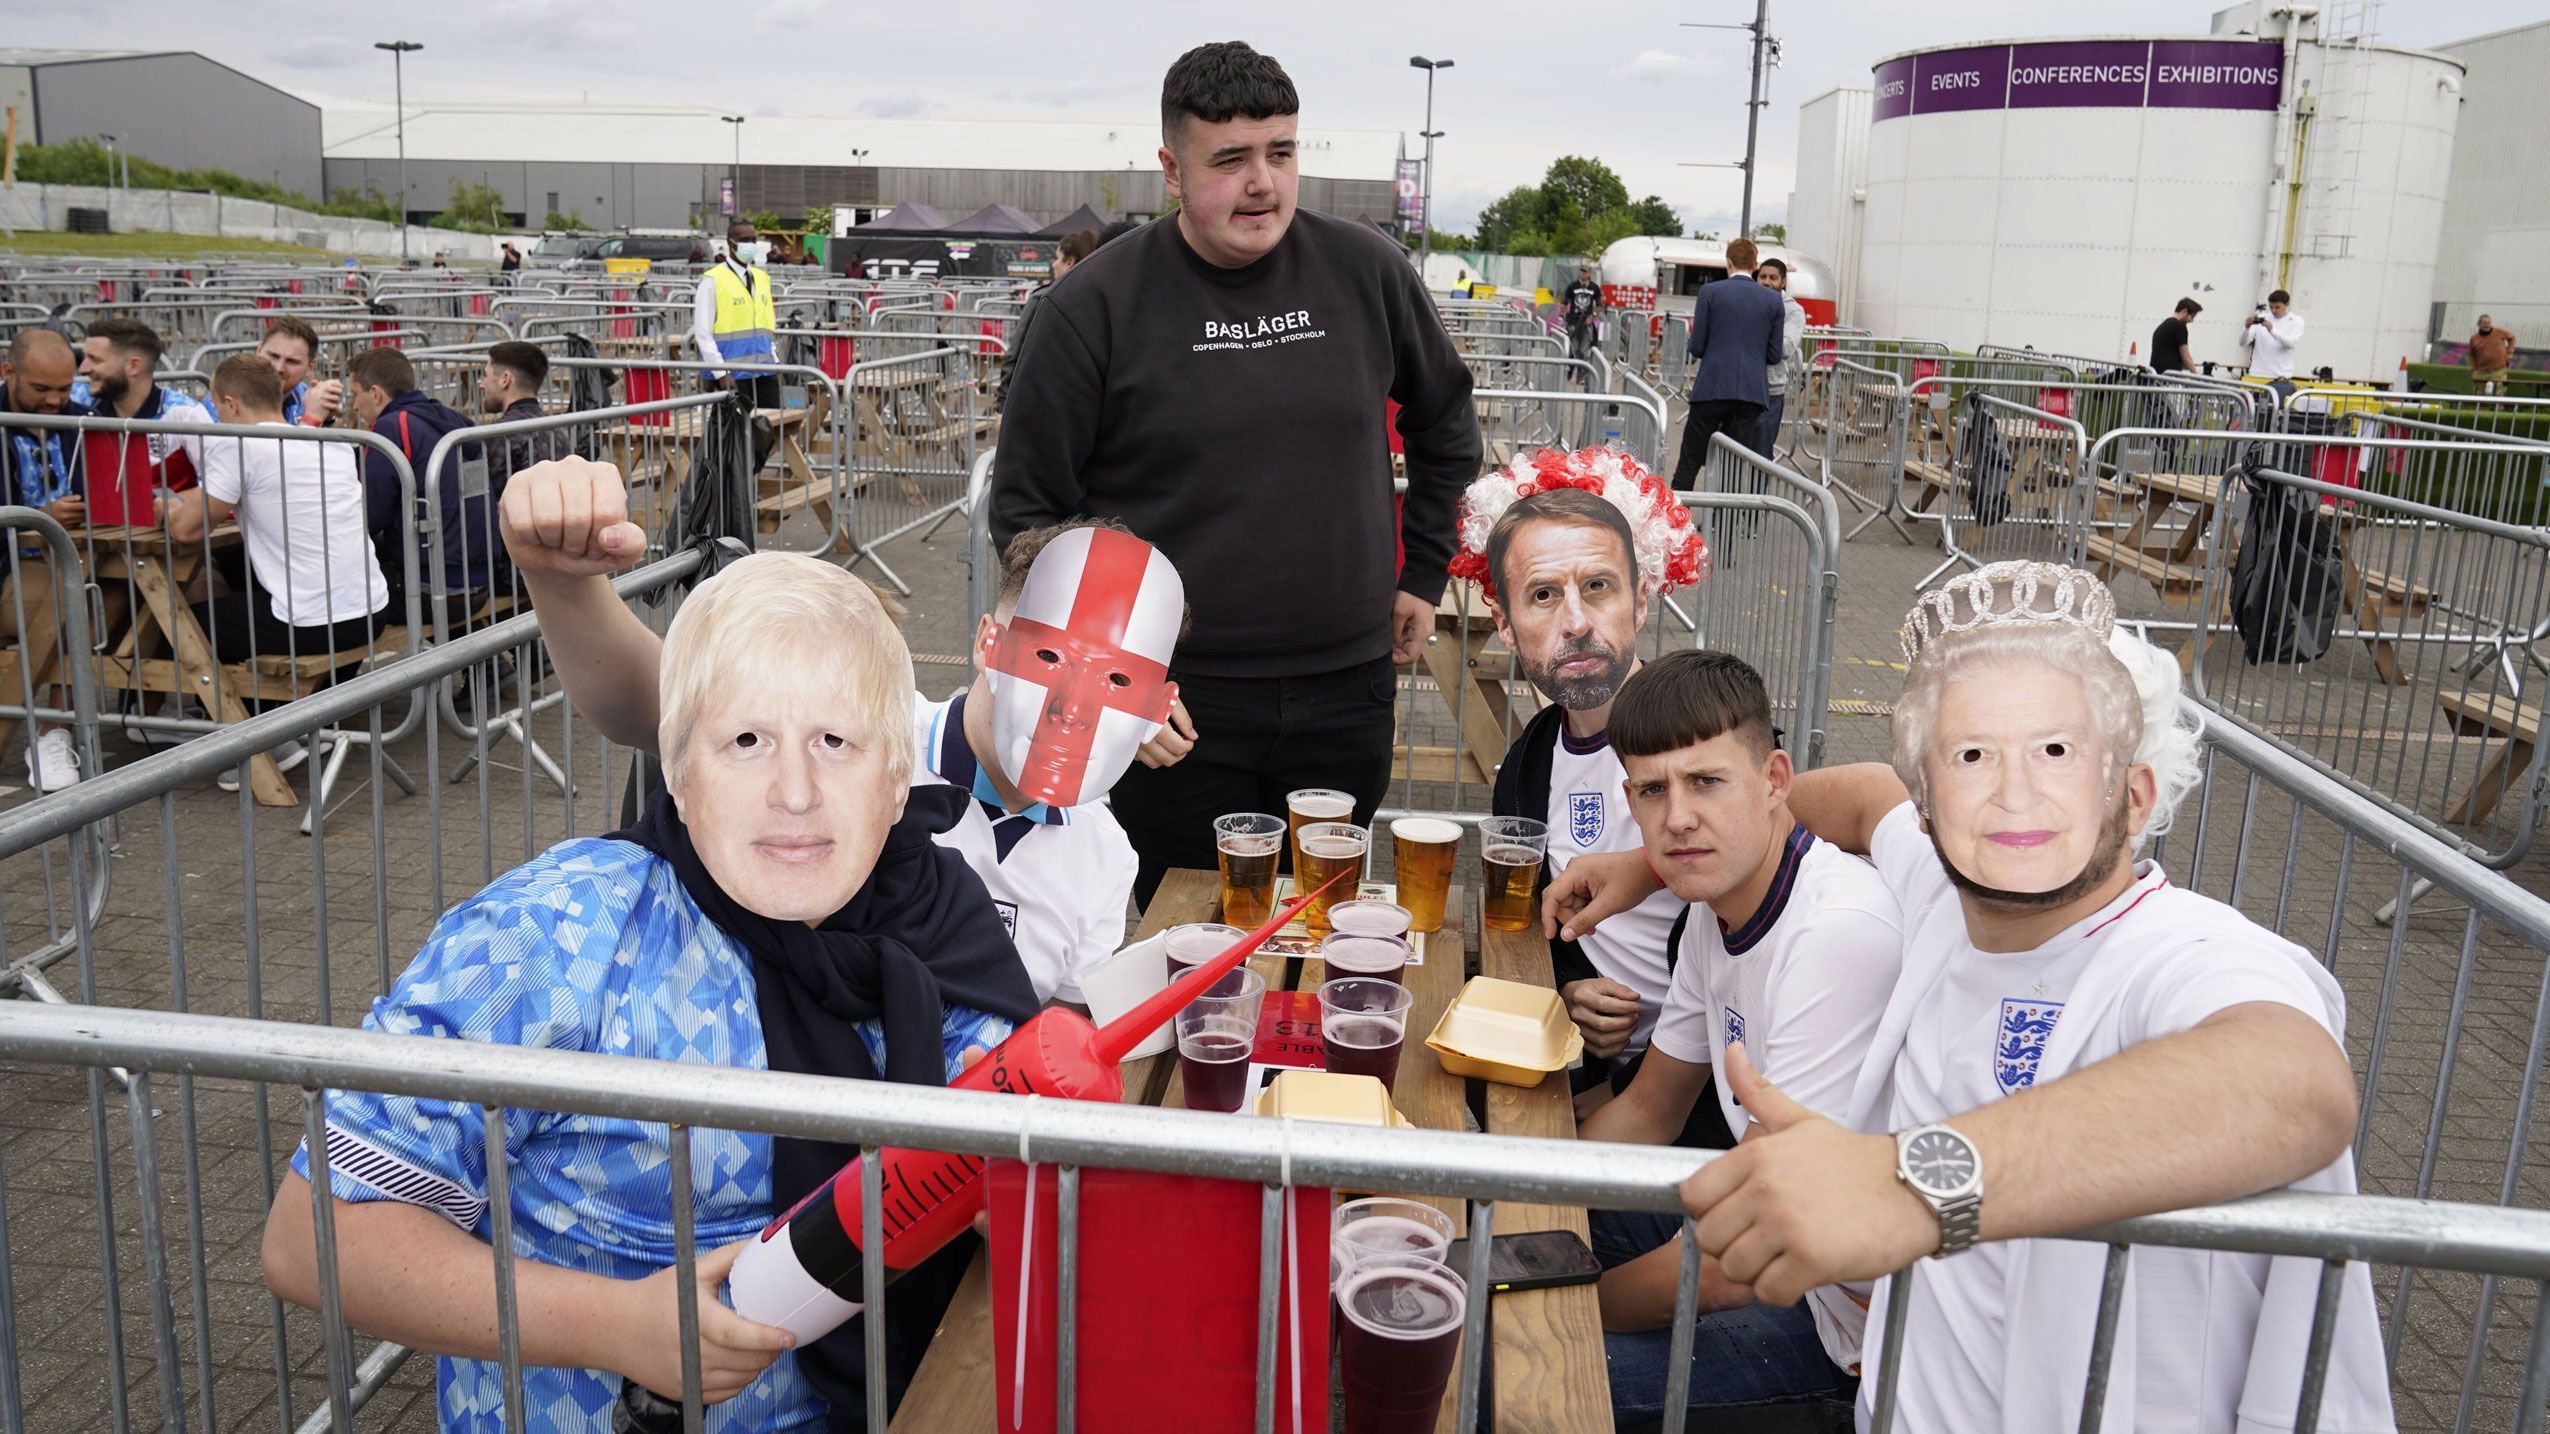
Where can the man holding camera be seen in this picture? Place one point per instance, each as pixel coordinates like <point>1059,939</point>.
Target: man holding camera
<point>2272,336</point>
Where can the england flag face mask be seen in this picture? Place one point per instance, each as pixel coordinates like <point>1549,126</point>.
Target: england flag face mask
<point>1080,673</point>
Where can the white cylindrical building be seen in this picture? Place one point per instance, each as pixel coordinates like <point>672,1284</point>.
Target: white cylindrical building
<point>2066,194</point>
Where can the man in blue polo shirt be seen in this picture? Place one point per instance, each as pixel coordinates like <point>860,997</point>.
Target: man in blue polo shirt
<point>1061,873</point>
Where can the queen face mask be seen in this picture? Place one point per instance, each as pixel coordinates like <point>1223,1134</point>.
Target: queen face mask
<point>1080,672</point>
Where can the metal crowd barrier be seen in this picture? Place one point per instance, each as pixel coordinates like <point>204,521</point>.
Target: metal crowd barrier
<point>1773,595</point>
<point>2387,643</point>
<point>45,606</point>
<point>1513,422</point>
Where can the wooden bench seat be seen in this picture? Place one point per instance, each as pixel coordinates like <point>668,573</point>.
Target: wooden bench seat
<point>2493,714</point>
<point>2176,582</point>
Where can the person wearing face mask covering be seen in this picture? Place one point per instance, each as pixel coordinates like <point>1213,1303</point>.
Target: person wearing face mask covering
<point>733,318</point>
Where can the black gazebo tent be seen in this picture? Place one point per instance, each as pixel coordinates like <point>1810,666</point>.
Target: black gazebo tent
<point>1082,218</point>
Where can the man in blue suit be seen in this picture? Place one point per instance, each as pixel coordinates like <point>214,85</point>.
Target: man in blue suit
<point>1735,334</point>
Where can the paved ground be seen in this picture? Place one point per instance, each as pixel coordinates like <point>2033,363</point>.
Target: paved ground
<point>225,909</point>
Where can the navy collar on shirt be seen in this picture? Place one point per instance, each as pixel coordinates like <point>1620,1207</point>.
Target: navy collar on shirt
<point>1581,747</point>
<point>1776,900</point>
<point>958,768</point>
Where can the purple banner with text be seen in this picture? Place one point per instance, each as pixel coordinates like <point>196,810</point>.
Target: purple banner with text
<point>2083,74</point>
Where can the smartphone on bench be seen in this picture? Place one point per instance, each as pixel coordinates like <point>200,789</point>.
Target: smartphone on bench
<point>1535,1260</point>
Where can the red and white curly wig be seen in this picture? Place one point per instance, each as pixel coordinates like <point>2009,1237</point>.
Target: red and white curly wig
<point>1671,553</point>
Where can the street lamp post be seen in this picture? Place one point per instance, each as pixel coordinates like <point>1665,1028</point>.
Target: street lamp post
<point>735,176</point>
<point>399,51</point>
<point>1425,201</point>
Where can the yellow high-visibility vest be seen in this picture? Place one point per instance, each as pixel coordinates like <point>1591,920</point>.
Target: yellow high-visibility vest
<point>744,315</point>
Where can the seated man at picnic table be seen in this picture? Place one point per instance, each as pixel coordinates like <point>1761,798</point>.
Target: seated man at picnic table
<point>312,587</point>
<point>1043,732</point>
<point>1783,943</point>
<point>1571,549</point>
<point>2073,1040</point>
<point>780,905</point>
<point>39,467</point>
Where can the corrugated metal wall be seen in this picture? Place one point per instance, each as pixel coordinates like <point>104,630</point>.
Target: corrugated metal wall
<point>184,111</point>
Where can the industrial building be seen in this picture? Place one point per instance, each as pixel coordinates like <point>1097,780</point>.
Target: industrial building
<point>154,102</point>
<point>2495,257</point>
<point>667,166</point>
<point>2065,193</point>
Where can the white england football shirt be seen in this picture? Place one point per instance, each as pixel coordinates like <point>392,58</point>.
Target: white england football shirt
<point>1061,876</point>
<point>1588,813</point>
<point>1978,1034</point>
<point>1802,983</point>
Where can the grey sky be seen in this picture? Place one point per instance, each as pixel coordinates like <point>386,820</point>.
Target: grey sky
<point>1621,81</point>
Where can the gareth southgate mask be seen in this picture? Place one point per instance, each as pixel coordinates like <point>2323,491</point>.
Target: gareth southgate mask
<point>1080,673</point>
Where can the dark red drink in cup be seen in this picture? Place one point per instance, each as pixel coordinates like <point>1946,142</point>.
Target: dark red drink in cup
<point>1352,953</point>
<point>1364,1023</point>
<point>1364,1045</point>
<point>1398,1344</point>
<point>1213,1066</point>
<point>1192,945</point>
<point>1217,1032</point>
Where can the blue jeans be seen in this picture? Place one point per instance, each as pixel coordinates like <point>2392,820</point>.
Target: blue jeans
<point>1766,439</point>
<point>1760,1354</point>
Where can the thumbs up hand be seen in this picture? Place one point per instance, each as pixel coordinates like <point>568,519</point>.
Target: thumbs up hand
<point>1803,1202</point>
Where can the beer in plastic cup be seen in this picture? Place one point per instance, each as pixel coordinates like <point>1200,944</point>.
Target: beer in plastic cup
<point>1197,942</point>
<point>1250,845</point>
<point>1351,953</point>
<point>1422,863</point>
<point>1328,848</point>
<point>1216,1034</point>
<point>1398,1345</point>
<point>1364,1023</point>
<point>1314,804</point>
<point>1510,868</point>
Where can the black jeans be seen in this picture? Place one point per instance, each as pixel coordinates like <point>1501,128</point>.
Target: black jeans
<point>1732,416</point>
<point>1256,740</point>
<point>243,625</point>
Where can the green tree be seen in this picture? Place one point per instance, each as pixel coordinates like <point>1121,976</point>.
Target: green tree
<point>572,219</point>
<point>473,209</point>
<point>1590,183</point>
<point>1519,211</point>
<point>767,221</point>
<point>1652,215</point>
<point>85,161</point>
<point>1609,228</point>
<point>1773,233</point>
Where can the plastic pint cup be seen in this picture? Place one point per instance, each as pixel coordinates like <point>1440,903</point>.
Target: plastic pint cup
<point>1510,851</point>
<point>1197,942</point>
<point>1425,850</point>
<point>1217,1032</point>
<point>1398,1345</point>
<point>1328,848</point>
<point>1249,846</point>
<point>1314,804</point>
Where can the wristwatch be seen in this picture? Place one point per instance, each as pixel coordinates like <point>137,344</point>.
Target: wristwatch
<point>1945,1170</point>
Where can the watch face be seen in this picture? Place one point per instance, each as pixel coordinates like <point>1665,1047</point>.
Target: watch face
<point>1940,1162</point>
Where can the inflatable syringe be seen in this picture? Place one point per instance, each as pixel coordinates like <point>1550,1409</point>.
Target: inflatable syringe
<point>804,1273</point>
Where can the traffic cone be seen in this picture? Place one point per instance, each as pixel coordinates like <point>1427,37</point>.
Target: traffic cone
<point>2399,383</point>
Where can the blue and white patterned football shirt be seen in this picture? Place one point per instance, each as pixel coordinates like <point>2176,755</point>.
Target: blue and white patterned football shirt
<point>591,946</point>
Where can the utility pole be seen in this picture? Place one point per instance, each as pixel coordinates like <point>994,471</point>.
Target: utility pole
<point>735,176</point>
<point>1765,48</point>
<point>1425,200</point>
<point>399,51</point>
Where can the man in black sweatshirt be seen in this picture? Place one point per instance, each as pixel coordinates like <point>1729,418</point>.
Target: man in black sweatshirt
<point>1217,380</point>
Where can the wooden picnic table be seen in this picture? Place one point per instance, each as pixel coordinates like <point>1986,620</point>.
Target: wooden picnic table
<point>1473,683</point>
<point>2169,562</point>
<point>1547,1369</point>
<point>663,450</point>
<point>158,571</point>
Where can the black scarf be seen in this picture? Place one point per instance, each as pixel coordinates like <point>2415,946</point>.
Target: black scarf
<point>920,936</point>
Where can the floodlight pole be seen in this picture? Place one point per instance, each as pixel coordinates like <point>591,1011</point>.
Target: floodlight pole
<point>735,176</point>
<point>398,78</point>
<point>1763,45</point>
<point>1425,201</point>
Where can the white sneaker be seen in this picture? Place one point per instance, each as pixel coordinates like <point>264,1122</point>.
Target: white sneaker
<point>286,757</point>
<point>52,761</point>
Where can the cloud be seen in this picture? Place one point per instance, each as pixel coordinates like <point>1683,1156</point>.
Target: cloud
<point>768,111</point>
<point>786,17</point>
<point>902,104</point>
<point>317,52</point>
<point>1666,65</point>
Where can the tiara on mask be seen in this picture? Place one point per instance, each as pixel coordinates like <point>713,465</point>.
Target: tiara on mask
<point>2011,592</point>
<point>1671,553</point>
